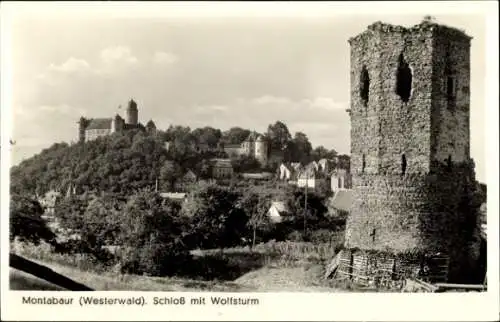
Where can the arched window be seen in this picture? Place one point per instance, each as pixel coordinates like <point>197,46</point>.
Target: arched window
<point>403,164</point>
<point>403,80</point>
<point>363,164</point>
<point>364,88</point>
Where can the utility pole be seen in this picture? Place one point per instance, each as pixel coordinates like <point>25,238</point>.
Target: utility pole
<point>305,206</point>
<point>156,184</point>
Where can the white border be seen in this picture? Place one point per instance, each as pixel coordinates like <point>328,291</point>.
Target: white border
<point>285,306</point>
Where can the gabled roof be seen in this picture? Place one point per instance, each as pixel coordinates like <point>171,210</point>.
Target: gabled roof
<point>280,206</point>
<point>173,195</point>
<point>99,124</point>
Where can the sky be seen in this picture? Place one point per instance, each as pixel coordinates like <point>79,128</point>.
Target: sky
<point>242,70</point>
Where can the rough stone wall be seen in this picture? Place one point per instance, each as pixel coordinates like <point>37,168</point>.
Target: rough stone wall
<point>388,127</point>
<point>450,117</point>
<point>417,204</point>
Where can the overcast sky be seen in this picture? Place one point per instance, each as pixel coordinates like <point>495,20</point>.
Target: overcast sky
<point>238,71</point>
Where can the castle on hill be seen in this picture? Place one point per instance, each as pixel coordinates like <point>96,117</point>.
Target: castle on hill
<point>91,129</point>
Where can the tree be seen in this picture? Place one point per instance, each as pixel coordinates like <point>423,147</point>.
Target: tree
<point>235,135</point>
<point>245,163</point>
<point>170,172</point>
<point>101,221</point>
<point>256,206</point>
<point>320,152</point>
<point>215,220</point>
<point>344,161</point>
<point>207,135</point>
<point>301,148</point>
<point>152,235</point>
<point>26,222</point>
<point>278,136</point>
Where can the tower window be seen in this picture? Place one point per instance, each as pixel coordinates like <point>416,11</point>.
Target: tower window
<point>364,86</point>
<point>403,164</point>
<point>363,165</point>
<point>403,80</point>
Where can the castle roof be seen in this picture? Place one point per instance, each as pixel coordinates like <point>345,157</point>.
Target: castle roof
<point>100,123</point>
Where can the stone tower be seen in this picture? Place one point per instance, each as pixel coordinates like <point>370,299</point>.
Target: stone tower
<point>132,113</point>
<point>410,140</point>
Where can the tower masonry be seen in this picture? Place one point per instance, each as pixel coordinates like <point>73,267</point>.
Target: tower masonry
<point>410,158</point>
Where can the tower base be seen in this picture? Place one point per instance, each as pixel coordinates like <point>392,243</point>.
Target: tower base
<point>386,270</point>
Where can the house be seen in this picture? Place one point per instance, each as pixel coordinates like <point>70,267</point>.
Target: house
<point>296,166</point>
<point>284,172</point>
<point>310,178</point>
<point>222,168</point>
<point>277,211</point>
<point>340,179</point>
<point>48,202</point>
<point>325,165</point>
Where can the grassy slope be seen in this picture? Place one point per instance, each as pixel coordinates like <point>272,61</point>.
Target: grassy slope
<point>305,278</point>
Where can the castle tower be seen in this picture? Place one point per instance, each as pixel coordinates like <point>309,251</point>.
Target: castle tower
<point>117,124</point>
<point>132,113</point>
<point>261,150</point>
<point>410,158</point>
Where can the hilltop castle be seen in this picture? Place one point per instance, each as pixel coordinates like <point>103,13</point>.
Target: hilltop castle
<point>90,129</point>
<point>410,151</point>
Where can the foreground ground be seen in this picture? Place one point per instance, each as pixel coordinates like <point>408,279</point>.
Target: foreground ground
<point>302,278</point>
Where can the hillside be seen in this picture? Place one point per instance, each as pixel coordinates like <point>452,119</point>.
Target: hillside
<point>128,161</point>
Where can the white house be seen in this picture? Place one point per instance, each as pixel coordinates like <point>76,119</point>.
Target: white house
<point>285,173</point>
<point>340,180</point>
<point>310,178</point>
<point>277,211</point>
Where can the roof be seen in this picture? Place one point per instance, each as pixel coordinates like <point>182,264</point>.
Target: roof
<point>280,206</point>
<point>262,175</point>
<point>99,124</point>
<point>173,195</point>
<point>222,163</point>
<point>343,199</point>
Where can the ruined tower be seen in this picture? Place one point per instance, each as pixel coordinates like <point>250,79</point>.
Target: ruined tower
<point>410,157</point>
<point>132,113</point>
